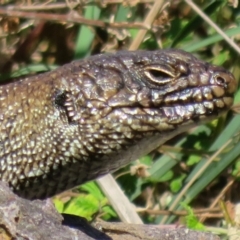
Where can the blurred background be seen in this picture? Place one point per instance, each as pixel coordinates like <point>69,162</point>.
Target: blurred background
<point>194,178</point>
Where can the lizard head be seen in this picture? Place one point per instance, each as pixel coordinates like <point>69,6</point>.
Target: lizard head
<point>145,91</point>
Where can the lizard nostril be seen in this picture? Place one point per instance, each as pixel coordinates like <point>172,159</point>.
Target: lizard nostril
<point>220,81</point>
<point>227,81</point>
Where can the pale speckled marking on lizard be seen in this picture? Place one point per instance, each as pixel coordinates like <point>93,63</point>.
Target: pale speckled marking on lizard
<point>90,117</point>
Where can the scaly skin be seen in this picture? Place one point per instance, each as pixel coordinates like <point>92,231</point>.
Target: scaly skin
<point>90,117</point>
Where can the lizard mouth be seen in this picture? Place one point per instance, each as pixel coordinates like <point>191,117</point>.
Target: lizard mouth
<point>202,100</point>
<point>195,103</point>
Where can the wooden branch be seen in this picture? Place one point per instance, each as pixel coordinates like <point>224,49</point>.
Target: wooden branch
<point>38,220</point>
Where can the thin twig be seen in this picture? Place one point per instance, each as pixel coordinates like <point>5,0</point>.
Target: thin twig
<point>215,210</point>
<point>212,24</point>
<point>148,22</point>
<point>60,6</point>
<point>70,18</point>
<point>196,176</point>
<point>217,199</point>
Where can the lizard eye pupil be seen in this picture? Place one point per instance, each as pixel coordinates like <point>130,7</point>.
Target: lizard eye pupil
<point>159,74</point>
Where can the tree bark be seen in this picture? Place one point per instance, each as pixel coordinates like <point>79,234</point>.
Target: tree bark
<point>39,220</point>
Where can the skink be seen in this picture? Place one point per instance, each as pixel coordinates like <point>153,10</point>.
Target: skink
<point>92,116</point>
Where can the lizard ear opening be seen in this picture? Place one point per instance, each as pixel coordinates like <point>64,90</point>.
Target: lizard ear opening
<point>65,102</point>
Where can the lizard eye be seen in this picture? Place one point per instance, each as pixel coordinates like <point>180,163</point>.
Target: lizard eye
<point>159,74</point>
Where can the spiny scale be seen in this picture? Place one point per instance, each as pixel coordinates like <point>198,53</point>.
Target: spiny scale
<point>90,117</point>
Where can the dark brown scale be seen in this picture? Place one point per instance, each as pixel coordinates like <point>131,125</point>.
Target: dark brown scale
<point>90,117</point>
